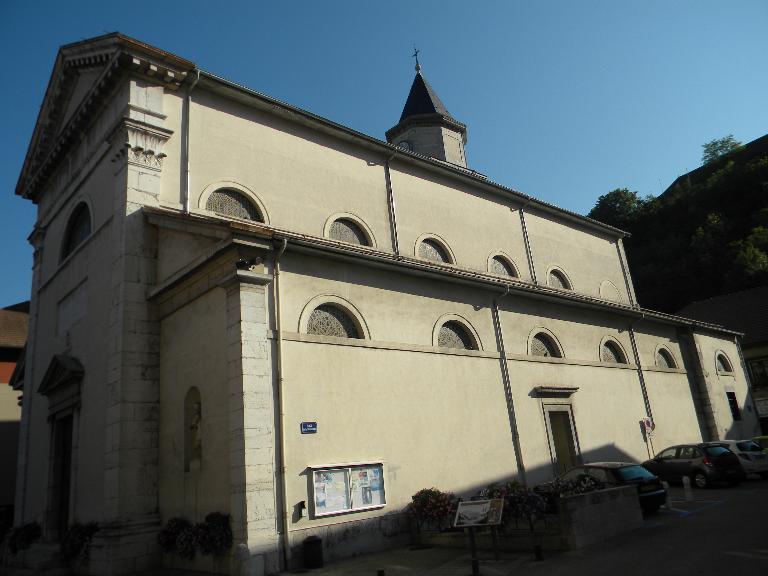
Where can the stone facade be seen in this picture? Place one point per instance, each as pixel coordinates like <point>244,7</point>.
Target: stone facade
<point>192,370</point>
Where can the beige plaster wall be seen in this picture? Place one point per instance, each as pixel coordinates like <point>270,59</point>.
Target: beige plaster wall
<point>587,258</point>
<point>432,419</point>
<point>674,413</point>
<point>718,383</point>
<point>193,352</point>
<point>84,275</point>
<point>473,224</point>
<point>301,177</point>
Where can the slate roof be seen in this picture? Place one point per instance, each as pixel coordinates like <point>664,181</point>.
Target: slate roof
<point>13,328</point>
<point>745,311</point>
<point>422,99</point>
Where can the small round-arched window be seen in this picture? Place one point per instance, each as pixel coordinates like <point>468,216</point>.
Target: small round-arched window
<point>558,280</point>
<point>345,230</point>
<point>78,229</point>
<point>501,266</point>
<point>432,250</point>
<point>233,203</point>
<point>331,320</point>
<point>664,359</point>
<point>723,364</point>
<point>453,335</point>
<point>612,352</point>
<point>543,345</point>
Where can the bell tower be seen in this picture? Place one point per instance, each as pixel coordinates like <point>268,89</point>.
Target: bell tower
<point>426,127</point>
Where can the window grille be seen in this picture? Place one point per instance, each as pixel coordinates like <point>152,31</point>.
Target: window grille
<point>722,364</point>
<point>502,267</point>
<point>558,280</point>
<point>612,353</point>
<point>329,320</point>
<point>454,335</point>
<point>543,345</point>
<point>433,251</point>
<point>664,359</point>
<point>231,203</point>
<point>345,230</point>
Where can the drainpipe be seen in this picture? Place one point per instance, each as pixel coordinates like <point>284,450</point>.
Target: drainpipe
<point>185,128</point>
<point>279,428</point>
<point>641,377</point>
<point>391,204</point>
<point>508,386</point>
<point>527,241</point>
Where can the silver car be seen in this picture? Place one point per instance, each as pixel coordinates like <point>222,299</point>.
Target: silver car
<point>752,457</point>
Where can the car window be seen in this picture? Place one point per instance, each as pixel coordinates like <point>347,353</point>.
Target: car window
<point>632,473</point>
<point>667,454</point>
<point>715,450</point>
<point>598,474</point>
<point>749,446</point>
<point>572,474</point>
<point>687,453</point>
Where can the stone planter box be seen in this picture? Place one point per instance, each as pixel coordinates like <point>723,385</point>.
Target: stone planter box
<point>582,520</point>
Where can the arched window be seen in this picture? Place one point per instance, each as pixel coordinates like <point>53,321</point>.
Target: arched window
<point>432,250</point>
<point>331,320</point>
<point>453,335</point>
<point>78,229</point>
<point>610,351</point>
<point>233,203</point>
<point>664,359</point>
<point>501,266</point>
<point>346,230</point>
<point>544,345</point>
<point>723,364</point>
<point>557,279</point>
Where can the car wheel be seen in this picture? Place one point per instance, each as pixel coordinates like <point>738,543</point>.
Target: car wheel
<point>700,480</point>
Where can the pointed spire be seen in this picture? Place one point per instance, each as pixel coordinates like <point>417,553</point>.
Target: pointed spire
<point>423,113</point>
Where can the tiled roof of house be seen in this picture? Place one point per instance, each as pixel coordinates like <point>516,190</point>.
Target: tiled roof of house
<point>745,311</point>
<point>13,328</point>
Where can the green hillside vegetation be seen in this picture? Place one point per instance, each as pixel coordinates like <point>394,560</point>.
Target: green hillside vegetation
<point>705,235</point>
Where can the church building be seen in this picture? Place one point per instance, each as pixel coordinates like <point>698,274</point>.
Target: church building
<point>241,307</point>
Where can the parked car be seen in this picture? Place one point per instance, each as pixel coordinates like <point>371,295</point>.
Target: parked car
<point>752,457</point>
<point>762,440</point>
<point>650,490</point>
<point>703,463</point>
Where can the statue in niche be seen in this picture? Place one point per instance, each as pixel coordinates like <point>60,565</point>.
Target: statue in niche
<point>197,436</point>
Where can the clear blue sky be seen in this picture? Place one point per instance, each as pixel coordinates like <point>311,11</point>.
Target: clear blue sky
<point>564,100</point>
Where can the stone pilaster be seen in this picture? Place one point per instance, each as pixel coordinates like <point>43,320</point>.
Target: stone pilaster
<point>252,418</point>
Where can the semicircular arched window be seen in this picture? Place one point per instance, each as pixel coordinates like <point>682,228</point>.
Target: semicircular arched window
<point>346,230</point>
<point>453,335</point>
<point>78,229</point>
<point>434,251</point>
<point>723,364</point>
<point>501,266</point>
<point>543,345</point>
<point>558,280</point>
<point>233,203</point>
<point>612,352</point>
<point>331,320</point>
<point>664,359</point>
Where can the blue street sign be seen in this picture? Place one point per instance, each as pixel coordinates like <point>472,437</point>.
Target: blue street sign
<point>309,427</point>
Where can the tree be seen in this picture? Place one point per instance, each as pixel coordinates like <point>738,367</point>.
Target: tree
<point>717,147</point>
<point>619,208</point>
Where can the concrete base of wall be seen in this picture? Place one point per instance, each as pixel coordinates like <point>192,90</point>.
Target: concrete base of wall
<point>125,547</point>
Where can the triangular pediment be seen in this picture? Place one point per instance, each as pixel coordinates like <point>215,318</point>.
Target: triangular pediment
<point>62,371</point>
<point>83,77</point>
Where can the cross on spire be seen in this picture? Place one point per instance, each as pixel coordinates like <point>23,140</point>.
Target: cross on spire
<point>416,55</point>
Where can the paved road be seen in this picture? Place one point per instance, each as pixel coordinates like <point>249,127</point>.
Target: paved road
<point>723,532</point>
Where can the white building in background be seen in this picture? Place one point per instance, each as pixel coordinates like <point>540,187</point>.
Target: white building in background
<point>239,306</point>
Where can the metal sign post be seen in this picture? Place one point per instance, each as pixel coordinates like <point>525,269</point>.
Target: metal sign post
<point>478,513</point>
